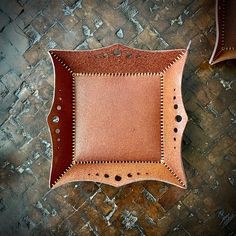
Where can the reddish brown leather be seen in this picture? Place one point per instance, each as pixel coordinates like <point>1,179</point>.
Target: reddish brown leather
<point>225,45</point>
<point>118,116</point>
<point>62,142</point>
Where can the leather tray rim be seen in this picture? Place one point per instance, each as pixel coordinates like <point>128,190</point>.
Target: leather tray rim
<point>219,51</point>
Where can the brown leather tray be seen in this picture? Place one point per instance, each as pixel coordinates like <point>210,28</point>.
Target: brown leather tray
<point>225,45</point>
<point>117,116</point>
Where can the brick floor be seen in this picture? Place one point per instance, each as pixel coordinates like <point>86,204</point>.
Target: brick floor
<point>27,30</point>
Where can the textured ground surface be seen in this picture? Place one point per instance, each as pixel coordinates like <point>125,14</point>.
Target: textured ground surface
<point>27,30</point>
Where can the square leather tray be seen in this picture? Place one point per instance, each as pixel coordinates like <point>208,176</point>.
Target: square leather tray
<point>225,44</point>
<point>117,116</point>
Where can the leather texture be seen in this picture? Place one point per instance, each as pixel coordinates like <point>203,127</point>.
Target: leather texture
<point>225,45</point>
<point>117,116</point>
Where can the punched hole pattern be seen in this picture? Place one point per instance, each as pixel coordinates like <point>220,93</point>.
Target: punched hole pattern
<point>117,53</point>
<point>118,177</point>
<point>129,55</point>
<point>55,119</point>
<point>175,107</point>
<point>178,118</point>
<point>57,131</point>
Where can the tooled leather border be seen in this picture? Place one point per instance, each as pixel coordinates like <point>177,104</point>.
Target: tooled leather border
<point>74,162</point>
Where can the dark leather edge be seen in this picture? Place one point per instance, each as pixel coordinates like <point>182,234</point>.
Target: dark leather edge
<point>62,97</point>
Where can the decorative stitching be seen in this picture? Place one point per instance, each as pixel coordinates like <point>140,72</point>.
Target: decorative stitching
<point>73,116</point>
<point>104,162</point>
<point>220,51</point>
<point>116,74</point>
<point>61,175</point>
<point>116,161</point>
<point>223,26</point>
<point>172,63</point>
<point>162,115</point>
<point>73,119</point>
<point>173,173</point>
<point>223,48</point>
<point>62,62</point>
<point>74,162</point>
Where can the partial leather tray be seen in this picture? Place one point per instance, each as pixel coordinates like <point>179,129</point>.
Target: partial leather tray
<point>225,43</point>
<point>117,116</point>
